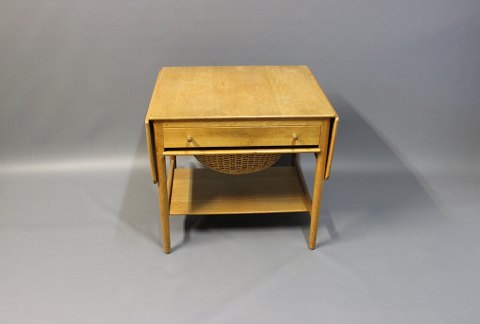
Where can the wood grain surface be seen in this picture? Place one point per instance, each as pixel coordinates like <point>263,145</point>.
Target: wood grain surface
<point>241,136</point>
<point>203,191</point>
<point>211,92</point>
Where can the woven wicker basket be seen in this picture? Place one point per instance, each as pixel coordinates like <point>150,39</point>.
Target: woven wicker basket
<point>238,163</point>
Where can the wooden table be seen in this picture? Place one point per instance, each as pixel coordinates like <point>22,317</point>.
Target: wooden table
<point>238,110</point>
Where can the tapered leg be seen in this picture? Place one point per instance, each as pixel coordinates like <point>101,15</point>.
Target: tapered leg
<point>316,199</point>
<point>164,204</point>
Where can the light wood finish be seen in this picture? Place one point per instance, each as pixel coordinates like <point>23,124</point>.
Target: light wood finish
<point>164,204</point>
<point>319,177</point>
<point>306,193</point>
<point>203,191</point>
<point>162,187</point>
<point>238,110</point>
<point>226,92</point>
<point>316,200</point>
<point>151,150</point>
<point>331,148</point>
<point>173,164</point>
<point>244,122</point>
<point>241,136</point>
<point>243,151</point>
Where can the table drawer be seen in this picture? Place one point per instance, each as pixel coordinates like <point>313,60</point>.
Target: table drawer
<point>241,136</point>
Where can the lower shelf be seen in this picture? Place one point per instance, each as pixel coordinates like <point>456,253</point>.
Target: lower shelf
<point>204,192</point>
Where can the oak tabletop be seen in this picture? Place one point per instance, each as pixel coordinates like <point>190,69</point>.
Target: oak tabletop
<point>235,92</point>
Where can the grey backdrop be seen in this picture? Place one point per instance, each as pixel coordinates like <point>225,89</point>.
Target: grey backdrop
<point>79,232</point>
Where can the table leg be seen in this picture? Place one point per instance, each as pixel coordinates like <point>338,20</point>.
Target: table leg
<point>164,204</point>
<point>316,199</point>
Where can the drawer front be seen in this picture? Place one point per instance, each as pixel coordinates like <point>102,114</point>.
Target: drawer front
<point>241,136</point>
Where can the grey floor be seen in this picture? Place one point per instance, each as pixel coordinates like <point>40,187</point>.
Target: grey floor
<point>80,243</point>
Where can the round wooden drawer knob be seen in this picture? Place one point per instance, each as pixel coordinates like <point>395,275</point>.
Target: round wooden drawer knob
<point>189,138</point>
<point>295,137</point>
